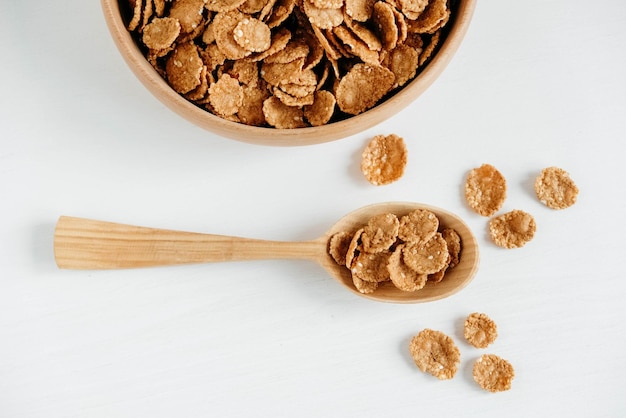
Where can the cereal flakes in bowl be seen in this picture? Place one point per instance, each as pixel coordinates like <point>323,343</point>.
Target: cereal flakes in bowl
<point>287,72</point>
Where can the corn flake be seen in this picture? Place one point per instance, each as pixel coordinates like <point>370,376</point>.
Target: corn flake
<point>435,353</point>
<point>479,330</point>
<point>555,188</point>
<point>384,159</point>
<point>493,373</point>
<point>513,229</point>
<point>485,190</point>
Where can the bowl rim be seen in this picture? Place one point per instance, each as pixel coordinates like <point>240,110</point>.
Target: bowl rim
<point>159,88</point>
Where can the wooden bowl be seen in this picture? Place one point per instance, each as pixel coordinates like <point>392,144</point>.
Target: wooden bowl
<point>143,70</point>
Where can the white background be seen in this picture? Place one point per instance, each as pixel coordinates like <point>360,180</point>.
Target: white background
<point>536,83</point>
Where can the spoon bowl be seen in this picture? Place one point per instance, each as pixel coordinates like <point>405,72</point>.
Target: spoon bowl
<point>86,244</point>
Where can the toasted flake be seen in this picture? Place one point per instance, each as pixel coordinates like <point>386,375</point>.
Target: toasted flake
<point>412,8</point>
<point>188,12</point>
<point>161,33</point>
<point>279,41</point>
<point>355,247</point>
<point>402,276</point>
<point>362,87</point>
<point>365,34</point>
<point>281,116</point>
<point>371,267</point>
<point>485,190</point>
<point>418,225</point>
<point>136,7</point>
<point>356,46</point>
<point>513,229</point>
<point>252,35</point>
<point>435,353</point>
<point>293,101</point>
<point>453,240</point>
<point>159,8</point>
<point>360,10</point>
<point>223,5</point>
<point>226,95</point>
<point>432,18</point>
<point>364,286</point>
<point>429,49</point>
<point>292,51</point>
<point>493,373</point>
<point>183,68</point>
<point>383,160</point>
<point>245,71</point>
<point>251,110</point>
<point>426,257</point>
<point>252,6</point>
<point>555,188</point>
<point>338,246</point>
<point>402,61</point>
<point>224,24</point>
<point>322,109</point>
<point>280,12</point>
<point>277,73</point>
<point>385,24</point>
<point>201,91</point>
<point>480,330</point>
<point>322,18</point>
<point>380,233</point>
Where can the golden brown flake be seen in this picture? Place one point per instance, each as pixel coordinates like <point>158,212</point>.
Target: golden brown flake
<point>418,225</point>
<point>136,6</point>
<point>226,95</point>
<point>435,353</point>
<point>512,229</point>
<point>371,267</point>
<point>412,8</point>
<point>453,240</point>
<point>338,246</point>
<point>281,116</point>
<point>223,5</point>
<point>252,35</point>
<point>252,6</point>
<point>383,160</point>
<point>188,12</point>
<point>251,110</point>
<point>355,248</point>
<point>322,18</point>
<point>360,10</point>
<point>161,33</point>
<point>402,61</point>
<point>183,68</point>
<point>322,109</point>
<point>426,257</point>
<point>380,233</point>
<point>493,373</point>
<point>362,87</point>
<point>555,188</point>
<point>385,24</point>
<point>432,18</point>
<point>402,276</point>
<point>480,330</point>
<point>224,24</point>
<point>485,190</point>
<point>364,286</point>
<point>280,12</point>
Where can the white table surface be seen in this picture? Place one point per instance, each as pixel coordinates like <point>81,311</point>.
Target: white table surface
<point>535,84</point>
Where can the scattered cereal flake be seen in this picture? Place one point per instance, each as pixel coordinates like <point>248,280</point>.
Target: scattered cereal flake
<point>252,35</point>
<point>383,160</point>
<point>435,353</point>
<point>226,95</point>
<point>281,116</point>
<point>362,87</point>
<point>338,246</point>
<point>402,276</point>
<point>161,33</point>
<point>493,373</point>
<point>485,190</point>
<point>555,188</point>
<point>183,68</point>
<point>480,330</point>
<point>426,257</point>
<point>418,225</point>
<point>322,109</point>
<point>188,13</point>
<point>512,229</point>
<point>371,267</point>
<point>360,10</point>
<point>380,232</point>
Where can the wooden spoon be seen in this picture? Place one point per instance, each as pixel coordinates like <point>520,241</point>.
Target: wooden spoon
<point>89,244</point>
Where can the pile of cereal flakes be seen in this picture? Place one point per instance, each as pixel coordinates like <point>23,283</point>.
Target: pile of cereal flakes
<point>408,251</point>
<point>287,63</point>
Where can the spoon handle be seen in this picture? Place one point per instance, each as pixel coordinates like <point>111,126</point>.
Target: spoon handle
<point>85,244</point>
